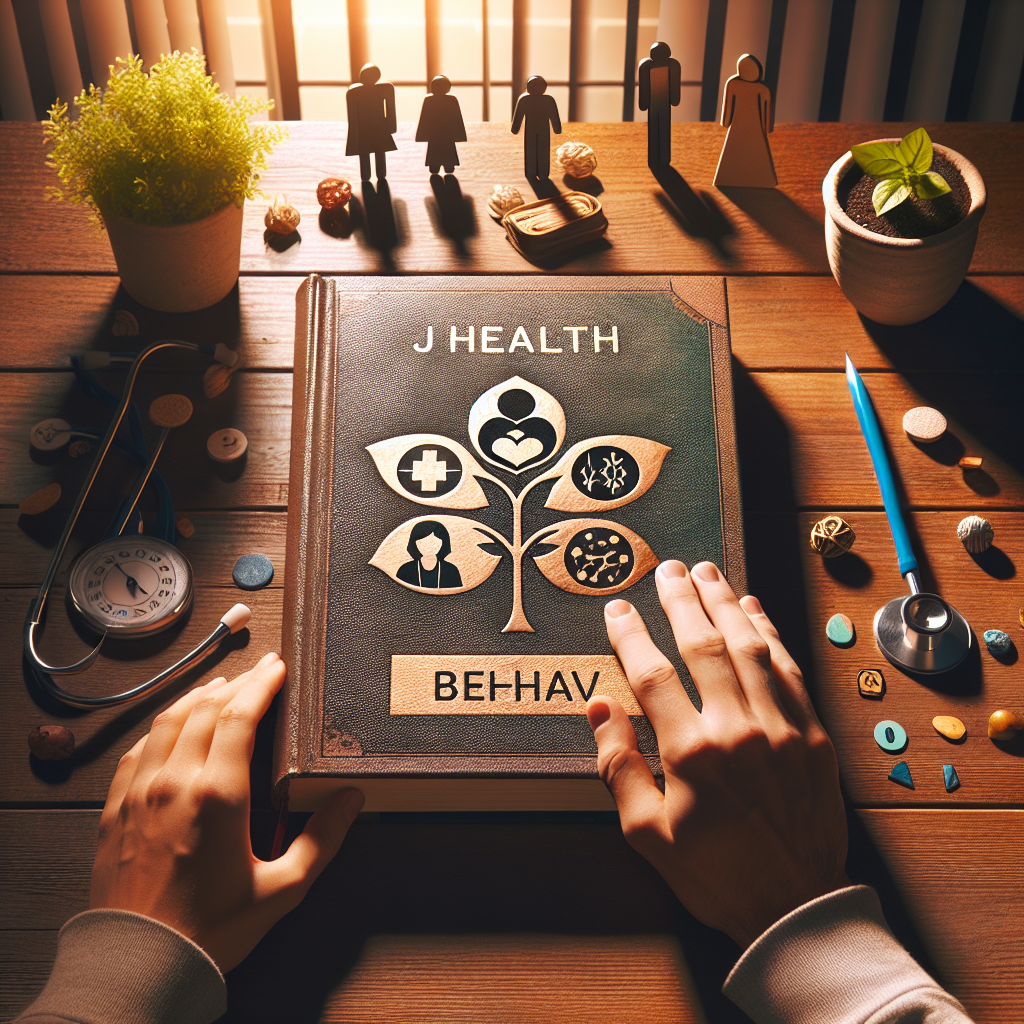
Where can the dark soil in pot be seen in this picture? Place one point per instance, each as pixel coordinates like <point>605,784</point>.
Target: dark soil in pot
<point>913,218</point>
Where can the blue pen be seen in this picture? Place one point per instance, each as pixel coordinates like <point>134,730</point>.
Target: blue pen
<point>883,471</point>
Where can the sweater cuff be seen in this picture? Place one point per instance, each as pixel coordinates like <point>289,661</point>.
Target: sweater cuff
<point>833,959</point>
<point>118,967</point>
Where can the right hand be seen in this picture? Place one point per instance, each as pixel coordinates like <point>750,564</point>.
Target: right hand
<point>174,832</point>
<point>751,823</point>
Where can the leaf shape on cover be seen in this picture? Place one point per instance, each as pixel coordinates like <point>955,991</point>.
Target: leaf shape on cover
<point>431,470</point>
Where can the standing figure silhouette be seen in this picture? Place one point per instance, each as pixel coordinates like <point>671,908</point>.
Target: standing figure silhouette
<point>541,114</point>
<point>660,91</point>
<point>747,112</point>
<point>441,126</point>
<point>371,121</point>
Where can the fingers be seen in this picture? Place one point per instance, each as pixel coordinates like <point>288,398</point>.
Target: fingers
<point>193,745</point>
<point>650,673</point>
<point>235,729</point>
<point>288,878</point>
<point>623,769</point>
<point>123,777</point>
<point>746,649</point>
<point>701,645</point>
<point>789,678</point>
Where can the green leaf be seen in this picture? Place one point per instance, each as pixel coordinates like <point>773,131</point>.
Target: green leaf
<point>889,194</point>
<point>877,159</point>
<point>915,151</point>
<point>931,186</point>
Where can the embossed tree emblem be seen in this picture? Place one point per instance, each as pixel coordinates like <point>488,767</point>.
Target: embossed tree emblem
<point>517,427</point>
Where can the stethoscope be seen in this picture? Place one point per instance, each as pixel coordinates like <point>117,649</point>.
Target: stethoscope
<point>155,590</point>
<point>919,632</point>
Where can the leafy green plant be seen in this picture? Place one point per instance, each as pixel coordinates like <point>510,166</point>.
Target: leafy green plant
<point>901,169</point>
<point>160,148</point>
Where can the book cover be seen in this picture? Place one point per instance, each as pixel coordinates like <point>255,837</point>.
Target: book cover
<point>478,465</point>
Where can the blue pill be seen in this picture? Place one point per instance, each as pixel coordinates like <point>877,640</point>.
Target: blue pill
<point>891,736</point>
<point>252,572</point>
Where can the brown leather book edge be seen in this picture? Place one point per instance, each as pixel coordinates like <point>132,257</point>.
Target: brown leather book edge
<point>310,486</point>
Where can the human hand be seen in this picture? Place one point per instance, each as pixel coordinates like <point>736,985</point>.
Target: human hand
<point>174,832</point>
<point>751,824</point>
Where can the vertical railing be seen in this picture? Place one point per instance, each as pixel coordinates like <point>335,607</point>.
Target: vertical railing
<point>629,73</point>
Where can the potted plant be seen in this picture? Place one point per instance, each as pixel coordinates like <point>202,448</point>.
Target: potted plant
<point>166,162</point>
<point>901,222</point>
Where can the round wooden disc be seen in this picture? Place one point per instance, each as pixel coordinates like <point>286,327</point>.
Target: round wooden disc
<point>924,424</point>
<point>43,499</point>
<point>170,411</point>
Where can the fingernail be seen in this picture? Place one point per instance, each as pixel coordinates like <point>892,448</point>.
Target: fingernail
<point>707,571</point>
<point>616,608</point>
<point>755,605</point>
<point>671,570</point>
<point>598,714</point>
<point>267,658</point>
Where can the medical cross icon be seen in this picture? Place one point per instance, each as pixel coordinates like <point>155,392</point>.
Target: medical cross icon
<point>428,471</point>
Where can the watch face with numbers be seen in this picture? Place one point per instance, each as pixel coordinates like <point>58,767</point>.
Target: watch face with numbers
<point>131,586</point>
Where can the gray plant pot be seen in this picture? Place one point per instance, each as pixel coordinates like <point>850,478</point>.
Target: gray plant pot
<point>900,280</point>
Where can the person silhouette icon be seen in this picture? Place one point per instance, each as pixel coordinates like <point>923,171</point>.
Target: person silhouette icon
<point>541,114</point>
<point>747,111</point>
<point>371,121</point>
<point>441,126</point>
<point>660,76</point>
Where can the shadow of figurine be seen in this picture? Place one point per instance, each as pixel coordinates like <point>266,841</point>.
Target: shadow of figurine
<point>372,121</point>
<point>749,114</point>
<point>697,215</point>
<point>660,76</point>
<point>451,211</point>
<point>380,226</point>
<point>540,112</point>
<point>441,126</point>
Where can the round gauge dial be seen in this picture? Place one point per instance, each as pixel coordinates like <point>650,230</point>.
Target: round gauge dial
<point>131,586</point>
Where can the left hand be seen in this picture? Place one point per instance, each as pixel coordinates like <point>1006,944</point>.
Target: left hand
<point>174,832</point>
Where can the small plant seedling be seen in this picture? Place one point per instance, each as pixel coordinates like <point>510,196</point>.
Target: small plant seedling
<point>901,169</point>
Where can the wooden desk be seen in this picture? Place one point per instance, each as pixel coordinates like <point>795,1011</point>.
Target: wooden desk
<point>427,919</point>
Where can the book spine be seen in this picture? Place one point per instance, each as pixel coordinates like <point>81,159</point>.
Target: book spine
<point>310,485</point>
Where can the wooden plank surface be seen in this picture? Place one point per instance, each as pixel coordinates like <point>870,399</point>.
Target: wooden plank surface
<point>755,230</point>
<point>437,944</point>
<point>983,325</point>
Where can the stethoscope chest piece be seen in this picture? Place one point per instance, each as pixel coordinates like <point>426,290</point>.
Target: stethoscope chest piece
<point>922,633</point>
<point>130,586</point>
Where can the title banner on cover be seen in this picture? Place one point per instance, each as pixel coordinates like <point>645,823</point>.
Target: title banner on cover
<point>505,684</point>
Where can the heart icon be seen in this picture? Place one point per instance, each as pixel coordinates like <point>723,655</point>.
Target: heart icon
<point>518,454</point>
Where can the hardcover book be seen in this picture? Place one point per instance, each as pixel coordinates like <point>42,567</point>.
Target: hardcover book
<point>478,465</point>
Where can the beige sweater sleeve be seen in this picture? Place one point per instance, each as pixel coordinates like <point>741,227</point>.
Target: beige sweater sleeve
<point>834,961</point>
<point>116,967</point>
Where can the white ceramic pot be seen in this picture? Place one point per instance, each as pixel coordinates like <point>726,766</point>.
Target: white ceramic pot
<point>181,267</point>
<point>900,280</point>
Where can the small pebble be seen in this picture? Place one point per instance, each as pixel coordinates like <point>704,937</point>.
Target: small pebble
<point>976,534</point>
<point>252,572</point>
<point>891,736</point>
<point>43,499</point>
<point>333,193</point>
<point>227,445</point>
<point>170,411</point>
<point>900,774</point>
<point>78,448</point>
<point>924,424</point>
<point>50,434</point>
<point>997,642</point>
<point>51,742</point>
<point>1004,725</point>
<point>870,682</point>
<point>832,536</point>
<point>950,778</point>
<point>971,462</point>
<point>125,325</point>
<point>950,727</point>
<point>840,631</point>
<point>184,526</point>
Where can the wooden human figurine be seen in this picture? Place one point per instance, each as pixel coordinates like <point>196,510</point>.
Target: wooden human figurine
<point>747,112</point>
<point>441,126</point>
<point>541,114</point>
<point>660,77</point>
<point>371,121</point>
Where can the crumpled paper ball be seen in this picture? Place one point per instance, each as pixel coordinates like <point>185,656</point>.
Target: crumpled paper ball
<point>282,218</point>
<point>333,192</point>
<point>832,536</point>
<point>975,534</point>
<point>577,159</point>
<point>504,199</point>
